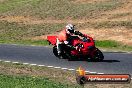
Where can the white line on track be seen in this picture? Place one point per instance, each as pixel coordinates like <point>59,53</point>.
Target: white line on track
<point>87,71</point>
<point>64,68</point>
<point>129,52</point>
<point>15,62</point>
<point>25,63</point>
<point>71,69</point>
<point>100,73</point>
<point>7,61</point>
<point>57,67</point>
<point>54,67</point>
<point>93,72</point>
<point>50,66</point>
<point>33,64</point>
<point>41,65</point>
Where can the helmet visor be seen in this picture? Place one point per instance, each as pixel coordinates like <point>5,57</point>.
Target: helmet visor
<point>71,31</point>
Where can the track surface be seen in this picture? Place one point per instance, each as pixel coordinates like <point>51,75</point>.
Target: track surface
<point>113,62</point>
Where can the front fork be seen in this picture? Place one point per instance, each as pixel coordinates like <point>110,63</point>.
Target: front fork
<point>92,54</point>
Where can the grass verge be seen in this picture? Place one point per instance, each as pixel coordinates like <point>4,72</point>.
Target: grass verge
<point>26,76</point>
<point>27,42</point>
<point>105,44</point>
<point>7,81</point>
<point>109,44</point>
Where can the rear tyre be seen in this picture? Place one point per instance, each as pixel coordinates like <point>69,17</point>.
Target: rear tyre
<point>55,51</point>
<point>98,56</point>
<point>56,54</point>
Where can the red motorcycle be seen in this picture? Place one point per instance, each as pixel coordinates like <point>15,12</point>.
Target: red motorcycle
<point>82,48</point>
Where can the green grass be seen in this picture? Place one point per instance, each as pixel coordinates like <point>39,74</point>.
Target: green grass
<point>29,82</point>
<point>22,34</point>
<point>51,8</point>
<point>26,76</point>
<point>112,45</point>
<point>26,42</point>
<point>9,5</point>
<point>107,43</point>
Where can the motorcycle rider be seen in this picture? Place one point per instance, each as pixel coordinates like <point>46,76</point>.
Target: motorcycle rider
<point>63,36</point>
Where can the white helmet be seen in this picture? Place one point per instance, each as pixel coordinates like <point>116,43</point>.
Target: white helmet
<point>70,28</point>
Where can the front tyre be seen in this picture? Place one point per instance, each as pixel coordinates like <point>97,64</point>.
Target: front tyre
<point>98,56</point>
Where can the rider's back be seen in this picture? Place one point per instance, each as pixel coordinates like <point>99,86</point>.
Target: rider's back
<point>62,36</point>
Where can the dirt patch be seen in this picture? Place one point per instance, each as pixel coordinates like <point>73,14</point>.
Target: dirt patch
<point>122,35</point>
<point>124,9</point>
<point>30,20</point>
<point>15,18</point>
<point>20,19</point>
<point>88,1</point>
<point>2,1</point>
<point>118,34</point>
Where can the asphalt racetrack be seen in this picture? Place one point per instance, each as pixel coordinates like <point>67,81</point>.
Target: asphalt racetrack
<point>115,63</point>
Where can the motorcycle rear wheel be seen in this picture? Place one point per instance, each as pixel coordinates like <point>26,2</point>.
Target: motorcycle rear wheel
<point>55,51</point>
<point>62,56</point>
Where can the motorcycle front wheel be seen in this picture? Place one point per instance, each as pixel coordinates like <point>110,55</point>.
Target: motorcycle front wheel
<point>98,56</point>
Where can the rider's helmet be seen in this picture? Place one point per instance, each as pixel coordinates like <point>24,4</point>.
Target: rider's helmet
<point>70,29</point>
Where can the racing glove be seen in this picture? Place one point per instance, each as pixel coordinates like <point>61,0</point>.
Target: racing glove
<point>79,33</point>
